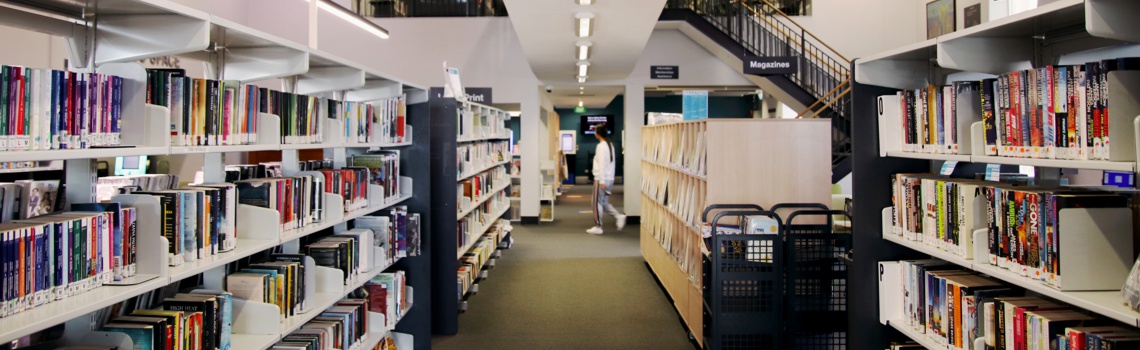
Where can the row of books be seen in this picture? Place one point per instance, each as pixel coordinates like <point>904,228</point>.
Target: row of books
<point>383,170</point>
<point>1052,112</point>
<point>473,157</point>
<point>953,307</point>
<point>473,261</point>
<point>299,199</point>
<point>1022,223</point>
<point>32,165</point>
<point>349,251</point>
<point>198,221</point>
<point>199,320</point>
<point>677,238</point>
<point>473,189</point>
<point>387,294</point>
<point>56,256</point>
<point>388,116</point>
<point>396,235</point>
<point>205,112</point>
<point>301,119</point>
<point>474,123</point>
<point>685,149</point>
<point>340,327</point>
<point>28,198</point>
<point>108,186</point>
<point>679,193</point>
<point>279,279</point>
<point>44,109</point>
<point>470,227</point>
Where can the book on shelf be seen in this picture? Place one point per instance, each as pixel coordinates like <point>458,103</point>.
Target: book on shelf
<point>478,156</point>
<point>341,326</point>
<point>301,117</point>
<point>386,294</point>
<point>205,112</point>
<point>1024,226</point>
<point>299,199</point>
<point>383,170</point>
<point>1051,112</point>
<point>952,307</point>
<point>43,109</point>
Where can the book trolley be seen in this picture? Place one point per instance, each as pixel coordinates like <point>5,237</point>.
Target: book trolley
<point>781,291</point>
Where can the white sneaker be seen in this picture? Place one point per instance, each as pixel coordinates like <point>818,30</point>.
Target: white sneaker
<point>621,222</point>
<point>596,230</point>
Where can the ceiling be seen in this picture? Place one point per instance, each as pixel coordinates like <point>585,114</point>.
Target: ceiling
<point>547,30</point>
<point>567,96</point>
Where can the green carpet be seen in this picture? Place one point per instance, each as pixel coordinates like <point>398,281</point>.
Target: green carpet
<point>561,288</point>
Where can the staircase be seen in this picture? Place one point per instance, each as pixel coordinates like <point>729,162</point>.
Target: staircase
<point>757,28</point>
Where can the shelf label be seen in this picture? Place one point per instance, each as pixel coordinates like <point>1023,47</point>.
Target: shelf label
<point>948,167</point>
<point>993,172</point>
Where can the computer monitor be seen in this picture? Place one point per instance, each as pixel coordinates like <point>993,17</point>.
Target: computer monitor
<point>133,165</point>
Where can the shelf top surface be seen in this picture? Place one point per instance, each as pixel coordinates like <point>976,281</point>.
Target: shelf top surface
<point>1044,18</point>
<point>918,51</point>
<point>75,8</point>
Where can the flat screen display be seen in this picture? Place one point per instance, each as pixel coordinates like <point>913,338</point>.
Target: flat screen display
<point>588,122</point>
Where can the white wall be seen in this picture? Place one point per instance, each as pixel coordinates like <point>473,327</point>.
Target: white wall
<point>865,27</point>
<point>671,47</point>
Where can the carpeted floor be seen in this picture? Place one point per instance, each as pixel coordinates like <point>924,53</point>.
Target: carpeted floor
<point>561,288</point>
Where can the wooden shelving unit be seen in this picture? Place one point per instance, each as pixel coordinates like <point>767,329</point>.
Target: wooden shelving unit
<point>1013,43</point>
<point>690,165</point>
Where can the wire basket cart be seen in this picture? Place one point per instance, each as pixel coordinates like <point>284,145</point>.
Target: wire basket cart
<point>815,277</point>
<point>742,307</point>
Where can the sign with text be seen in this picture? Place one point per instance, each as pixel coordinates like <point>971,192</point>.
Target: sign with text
<point>771,65</point>
<point>480,95</point>
<point>664,72</point>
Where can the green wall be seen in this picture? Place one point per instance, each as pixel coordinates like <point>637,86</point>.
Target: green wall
<point>568,120</point>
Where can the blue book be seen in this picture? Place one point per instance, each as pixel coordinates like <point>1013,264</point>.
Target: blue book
<point>141,334</point>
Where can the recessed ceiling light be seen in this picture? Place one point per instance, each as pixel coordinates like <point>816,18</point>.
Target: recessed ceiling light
<point>585,2</point>
<point>579,103</point>
<point>581,88</point>
<point>585,20</point>
<point>582,79</point>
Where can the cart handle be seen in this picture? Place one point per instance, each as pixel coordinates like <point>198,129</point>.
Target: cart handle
<point>828,213</point>
<point>705,214</point>
<point>799,205</point>
<point>742,213</point>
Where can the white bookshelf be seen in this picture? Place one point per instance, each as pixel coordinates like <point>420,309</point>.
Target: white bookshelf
<point>132,30</point>
<point>1098,30</point>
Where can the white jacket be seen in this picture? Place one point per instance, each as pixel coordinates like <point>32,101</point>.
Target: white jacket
<point>604,162</point>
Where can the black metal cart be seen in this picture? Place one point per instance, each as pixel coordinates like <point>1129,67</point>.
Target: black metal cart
<point>781,291</point>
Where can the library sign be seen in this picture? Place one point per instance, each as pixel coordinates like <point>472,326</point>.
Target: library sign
<point>770,65</point>
<point>480,95</point>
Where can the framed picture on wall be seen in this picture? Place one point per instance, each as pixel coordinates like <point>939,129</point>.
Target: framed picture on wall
<point>939,18</point>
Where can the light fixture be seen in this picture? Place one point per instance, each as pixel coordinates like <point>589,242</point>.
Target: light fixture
<point>583,49</point>
<point>584,22</point>
<point>579,103</point>
<point>581,88</point>
<point>353,18</point>
<point>582,67</point>
<point>582,79</point>
<point>585,2</point>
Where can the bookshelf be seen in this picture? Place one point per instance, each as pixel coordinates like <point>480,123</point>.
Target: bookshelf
<point>693,164</point>
<point>131,30</point>
<point>470,142</point>
<point>1098,31</point>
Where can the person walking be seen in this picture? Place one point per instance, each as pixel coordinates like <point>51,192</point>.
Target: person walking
<point>604,163</point>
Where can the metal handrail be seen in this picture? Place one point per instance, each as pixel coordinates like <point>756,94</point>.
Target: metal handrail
<point>789,18</point>
<point>826,96</point>
<point>829,103</point>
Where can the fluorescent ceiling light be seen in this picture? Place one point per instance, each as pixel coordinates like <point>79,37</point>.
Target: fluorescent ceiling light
<point>585,2</point>
<point>585,20</point>
<point>579,103</point>
<point>583,50</point>
<point>581,88</point>
<point>353,18</point>
<point>582,67</point>
<point>582,79</point>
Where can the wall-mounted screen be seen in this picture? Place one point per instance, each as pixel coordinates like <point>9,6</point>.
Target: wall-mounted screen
<point>588,122</point>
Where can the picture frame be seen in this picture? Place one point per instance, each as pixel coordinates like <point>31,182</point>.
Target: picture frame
<point>940,18</point>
